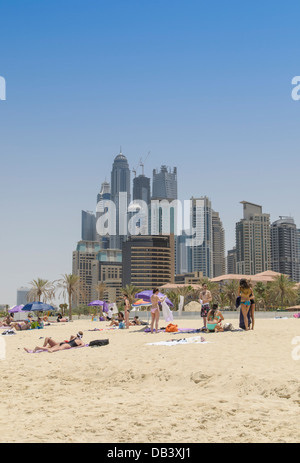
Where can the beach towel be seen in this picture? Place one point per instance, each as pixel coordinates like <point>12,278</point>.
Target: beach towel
<point>39,351</point>
<point>167,314</point>
<point>242,322</point>
<point>177,342</point>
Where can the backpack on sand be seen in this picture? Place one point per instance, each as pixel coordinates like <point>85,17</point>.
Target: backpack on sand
<point>99,342</point>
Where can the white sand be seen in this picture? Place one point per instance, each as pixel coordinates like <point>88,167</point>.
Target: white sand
<point>239,387</point>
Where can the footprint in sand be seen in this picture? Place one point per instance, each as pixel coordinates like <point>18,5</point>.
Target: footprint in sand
<point>199,377</point>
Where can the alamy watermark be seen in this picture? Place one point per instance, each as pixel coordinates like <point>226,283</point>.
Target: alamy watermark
<point>296,89</point>
<point>296,350</point>
<point>2,348</point>
<point>2,88</point>
<point>160,217</point>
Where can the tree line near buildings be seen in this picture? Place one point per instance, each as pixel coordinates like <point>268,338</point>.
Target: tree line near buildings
<point>69,287</point>
<point>278,294</point>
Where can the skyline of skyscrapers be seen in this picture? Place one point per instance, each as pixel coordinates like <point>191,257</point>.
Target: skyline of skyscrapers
<point>260,246</point>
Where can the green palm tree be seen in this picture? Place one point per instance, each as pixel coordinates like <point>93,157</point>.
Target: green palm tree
<point>41,288</point>
<point>184,291</point>
<point>71,286</point>
<point>100,288</point>
<point>130,291</point>
<point>230,289</point>
<point>260,294</point>
<point>282,291</point>
<point>173,296</point>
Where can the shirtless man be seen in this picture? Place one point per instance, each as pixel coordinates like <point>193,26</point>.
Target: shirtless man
<point>205,299</point>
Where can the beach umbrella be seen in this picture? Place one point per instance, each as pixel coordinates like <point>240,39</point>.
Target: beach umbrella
<point>146,296</point>
<point>141,303</point>
<point>37,307</point>
<point>16,309</point>
<point>96,303</point>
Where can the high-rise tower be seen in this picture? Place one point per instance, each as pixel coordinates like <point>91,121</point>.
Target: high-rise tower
<point>120,195</point>
<point>164,183</point>
<point>284,245</point>
<point>253,246</point>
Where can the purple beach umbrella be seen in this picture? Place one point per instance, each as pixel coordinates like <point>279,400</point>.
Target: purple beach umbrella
<point>16,309</point>
<point>96,303</point>
<point>147,293</point>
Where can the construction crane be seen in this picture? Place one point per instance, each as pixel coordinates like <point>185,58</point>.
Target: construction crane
<point>134,171</point>
<point>142,163</point>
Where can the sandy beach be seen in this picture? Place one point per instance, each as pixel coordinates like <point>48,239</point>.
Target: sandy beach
<point>236,387</point>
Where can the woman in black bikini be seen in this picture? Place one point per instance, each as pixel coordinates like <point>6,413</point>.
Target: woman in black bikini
<point>75,341</point>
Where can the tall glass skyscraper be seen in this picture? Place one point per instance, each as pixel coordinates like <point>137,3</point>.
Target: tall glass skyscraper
<point>120,195</point>
<point>164,183</point>
<point>201,246</point>
<point>284,247</point>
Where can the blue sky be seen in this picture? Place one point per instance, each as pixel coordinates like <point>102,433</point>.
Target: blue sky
<point>204,86</point>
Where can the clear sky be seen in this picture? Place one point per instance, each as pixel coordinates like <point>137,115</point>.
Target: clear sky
<point>205,86</point>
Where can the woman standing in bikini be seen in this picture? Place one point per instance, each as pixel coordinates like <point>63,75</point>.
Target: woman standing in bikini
<point>126,310</point>
<point>245,293</point>
<point>155,299</point>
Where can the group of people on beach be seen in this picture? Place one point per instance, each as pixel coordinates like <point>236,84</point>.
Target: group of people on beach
<point>213,318</point>
<point>23,325</point>
<point>211,315</point>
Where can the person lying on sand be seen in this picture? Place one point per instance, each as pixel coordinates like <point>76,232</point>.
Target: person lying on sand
<point>52,346</point>
<point>61,319</point>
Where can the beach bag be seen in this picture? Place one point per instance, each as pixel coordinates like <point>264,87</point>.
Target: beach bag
<point>228,327</point>
<point>171,328</point>
<point>99,342</point>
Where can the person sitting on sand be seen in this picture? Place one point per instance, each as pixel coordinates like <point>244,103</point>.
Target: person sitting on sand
<point>21,325</point>
<point>7,320</point>
<point>214,319</point>
<point>135,321</point>
<point>119,320</point>
<point>52,346</point>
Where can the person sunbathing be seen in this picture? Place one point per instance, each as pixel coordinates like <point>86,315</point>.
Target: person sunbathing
<point>52,346</point>
<point>61,319</point>
<point>21,325</point>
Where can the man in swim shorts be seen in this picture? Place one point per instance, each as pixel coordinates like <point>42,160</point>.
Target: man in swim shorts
<point>205,299</point>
